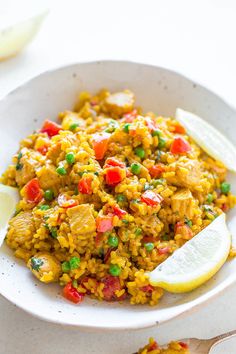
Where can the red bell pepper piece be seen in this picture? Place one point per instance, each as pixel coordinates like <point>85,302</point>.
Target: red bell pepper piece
<point>72,294</point>
<point>151,198</point>
<point>84,185</point>
<point>65,202</point>
<point>33,191</point>
<point>114,175</point>
<point>178,128</point>
<point>43,149</point>
<point>180,146</point>
<point>119,212</point>
<point>51,128</point>
<point>100,144</point>
<point>156,170</point>
<point>112,162</point>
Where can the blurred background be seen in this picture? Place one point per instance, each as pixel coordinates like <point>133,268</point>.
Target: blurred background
<point>195,38</point>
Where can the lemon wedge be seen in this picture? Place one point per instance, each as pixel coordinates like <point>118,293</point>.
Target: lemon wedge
<point>208,138</point>
<point>9,197</point>
<point>196,261</point>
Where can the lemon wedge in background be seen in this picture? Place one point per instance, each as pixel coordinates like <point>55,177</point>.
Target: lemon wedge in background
<point>208,138</point>
<point>196,261</point>
<point>9,197</point>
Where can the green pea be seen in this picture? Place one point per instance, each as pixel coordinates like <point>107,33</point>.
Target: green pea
<point>149,246</point>
<point>210,198</point>
<point>113,241</point>
<point>73,126</point>
<point>126,127</point>
<point>44,207</point>
<point>139,151</point>
<point>161,143</point>
<point>70,158</point>
<point>156,182</point>
<point>19,166</point>
<point>53,232</point>
<point>125,221</point>
<point>48,195</point>
<point>74,263</point>
<point>120,198</point>
<point>96,173</point>
<point>188,222</point>
<point>65,267</point>
<point>225,187</point>
<point>135,168</point>
<point>165,237</point>
<point>61,170</point>
<point>19,156</point>
<point>114,270</point>
<point>138,232</point>
<point>156,132</point>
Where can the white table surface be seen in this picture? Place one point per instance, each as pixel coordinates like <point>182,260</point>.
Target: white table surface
<point>196,38</point>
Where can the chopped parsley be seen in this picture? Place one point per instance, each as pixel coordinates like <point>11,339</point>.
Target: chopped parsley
<point>36,263</point>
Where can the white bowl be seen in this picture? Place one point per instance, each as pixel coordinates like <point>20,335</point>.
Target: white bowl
<point>157,89</point>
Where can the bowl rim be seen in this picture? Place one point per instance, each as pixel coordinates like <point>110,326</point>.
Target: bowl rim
<point>192,305</point>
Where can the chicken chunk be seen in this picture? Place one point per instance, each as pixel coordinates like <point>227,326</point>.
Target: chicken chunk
<point>26,168</point>
<point>48,177</point>
<point>187,173</point>
<point>45,267</point>
<point>81,219</point>
<point>21,229</point>
<point>183,203</point>
<point>120,102</point>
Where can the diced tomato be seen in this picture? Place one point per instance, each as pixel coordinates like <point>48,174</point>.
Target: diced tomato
<point>183,229</point>
<point>43,149</point>
<point>111,285</point>
<point>147,288</point>
<point>65,202</point>
<point>100,144</point>
<point>114,175</point>
<point>156,170</point>
<point>151,198</point>
<point>84,185</point>
<point>112,162</point>
<point>163,250</point>
<point>180,146</point>
<point>224,207</point>
<point>51,128</point>
<point>150,124</point>
<point>33,192</point>
<point>129,117</point>
<point>183,345</point>
<point>178,128</point>
<point>72,294</point>
<point>104,223</point>
<point>119,212</point>
<point>153,346</point>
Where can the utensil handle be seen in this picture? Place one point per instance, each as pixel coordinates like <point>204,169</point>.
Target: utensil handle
<point>221,338</point>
